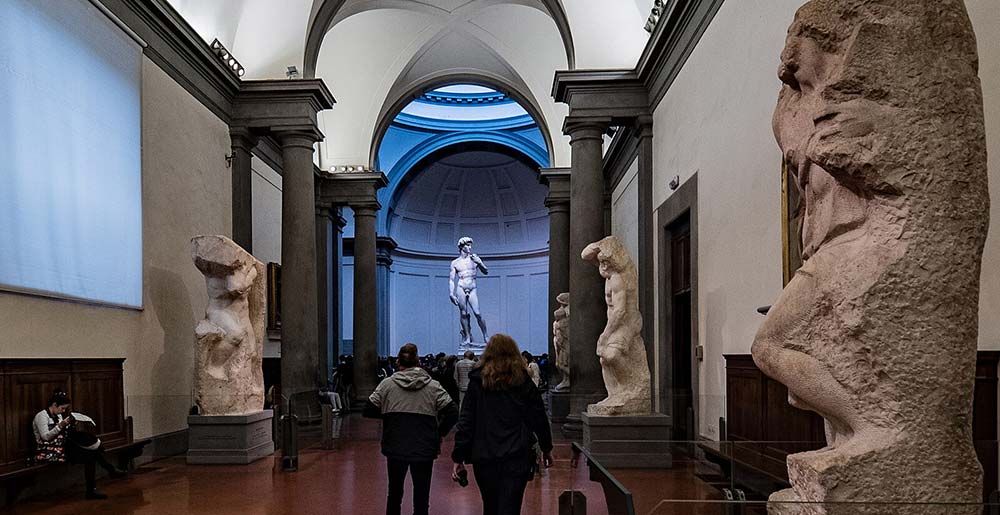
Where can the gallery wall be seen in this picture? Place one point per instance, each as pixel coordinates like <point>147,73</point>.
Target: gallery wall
<point>186,191</point>
<point>715,121</point>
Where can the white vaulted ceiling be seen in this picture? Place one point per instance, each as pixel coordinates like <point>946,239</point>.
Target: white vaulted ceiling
<point>373,53</point>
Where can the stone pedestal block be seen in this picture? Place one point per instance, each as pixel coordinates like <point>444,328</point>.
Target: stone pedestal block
<point>641,441</point>
<point>558,406</point>
<point>229,439</point>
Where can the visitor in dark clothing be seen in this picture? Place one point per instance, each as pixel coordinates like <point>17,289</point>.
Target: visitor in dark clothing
<point>448,381</point>
<point>502,416</point>
<point>416,413</point>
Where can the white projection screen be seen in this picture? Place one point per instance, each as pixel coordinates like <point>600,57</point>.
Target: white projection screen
<point>70,153</point>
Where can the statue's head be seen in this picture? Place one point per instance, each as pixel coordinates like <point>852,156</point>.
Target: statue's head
<point>465,243</point>
<point>609,255</point>
<point>859,75</point>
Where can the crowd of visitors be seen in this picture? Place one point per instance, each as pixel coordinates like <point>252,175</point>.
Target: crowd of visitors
<point>501,422</point>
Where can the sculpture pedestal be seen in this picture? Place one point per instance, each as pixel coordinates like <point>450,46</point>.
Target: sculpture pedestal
<point>558,406</point>
<point>229,439</point>
<point>639,441</point>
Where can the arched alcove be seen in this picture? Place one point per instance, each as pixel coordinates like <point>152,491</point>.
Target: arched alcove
<point>490,193</point>
<point>461,160</point>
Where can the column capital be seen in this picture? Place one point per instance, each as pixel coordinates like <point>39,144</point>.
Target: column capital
<point>305,136</point>
<point>582,128</point>
<point>384,245</point>
<point>643,126</point>
<point>558,181</point>
<point>365,208</point>
<point>243,138</point>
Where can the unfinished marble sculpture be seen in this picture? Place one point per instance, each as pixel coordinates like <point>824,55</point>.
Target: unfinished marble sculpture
<point>560,340</point>
<point>881,117</point>
<point>229,341</point>
<point>620,346</point>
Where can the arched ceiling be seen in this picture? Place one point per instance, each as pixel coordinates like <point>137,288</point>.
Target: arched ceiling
<point>374,53</point>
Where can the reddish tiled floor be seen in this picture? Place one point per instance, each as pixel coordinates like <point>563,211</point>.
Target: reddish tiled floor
<point>349,480</point>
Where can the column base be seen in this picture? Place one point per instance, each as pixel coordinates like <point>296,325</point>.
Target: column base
<point>638,441</point>
<point>229,439</point>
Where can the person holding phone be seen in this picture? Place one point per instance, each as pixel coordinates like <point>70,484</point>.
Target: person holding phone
<point>502,417</point>
<point>52,428</point>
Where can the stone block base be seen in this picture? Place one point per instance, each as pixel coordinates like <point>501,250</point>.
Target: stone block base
<point>640,441</point>
<point>229,439</point>
<point>558,407</point>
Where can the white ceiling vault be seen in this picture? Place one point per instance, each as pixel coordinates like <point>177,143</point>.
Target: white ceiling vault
<point>376,54</point>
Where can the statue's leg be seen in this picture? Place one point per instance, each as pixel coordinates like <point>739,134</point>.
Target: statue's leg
<point>465,321</point>
<point>474,305</point>
<point>775,349</point>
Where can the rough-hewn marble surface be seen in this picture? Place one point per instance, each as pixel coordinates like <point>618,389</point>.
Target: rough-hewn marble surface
<point>881,119</point>
<point>620,346</point>
<point>229,341</point>
<point>560,340</point>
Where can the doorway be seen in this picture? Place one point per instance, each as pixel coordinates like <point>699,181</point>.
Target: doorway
<point>679,290</point>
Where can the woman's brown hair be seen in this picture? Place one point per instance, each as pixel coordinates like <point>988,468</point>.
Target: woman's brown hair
<point>408,356</point>
<point>502,365</point>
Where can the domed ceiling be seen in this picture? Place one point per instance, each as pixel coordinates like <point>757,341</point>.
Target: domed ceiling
<point>486,194</point>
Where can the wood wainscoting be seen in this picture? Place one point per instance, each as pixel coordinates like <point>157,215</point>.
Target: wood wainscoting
<point>762,428</point>
<point>94,386</point>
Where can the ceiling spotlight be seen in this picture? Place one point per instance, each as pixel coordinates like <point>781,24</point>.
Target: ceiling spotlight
<point>292,72</point>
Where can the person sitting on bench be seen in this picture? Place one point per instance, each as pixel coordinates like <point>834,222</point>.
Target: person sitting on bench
<point>56,442</point>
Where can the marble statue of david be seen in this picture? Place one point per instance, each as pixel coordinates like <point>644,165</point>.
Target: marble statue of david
<point>462,289</point>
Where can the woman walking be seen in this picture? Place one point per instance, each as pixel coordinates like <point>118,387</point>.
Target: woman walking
<point>502,416</point>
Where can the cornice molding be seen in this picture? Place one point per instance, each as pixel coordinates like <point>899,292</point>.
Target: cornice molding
<point>616,94</point>
<point>272,106</point>
<point>355,189</point>
<point>677,33</point>
<point>174,46</point>
<point>625,94</point>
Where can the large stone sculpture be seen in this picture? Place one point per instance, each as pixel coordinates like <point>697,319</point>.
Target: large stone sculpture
<point>230,339</point>
<point>560,340</point>
<point>620,346</point>
<point>463,294</point>
<point>881,117</point>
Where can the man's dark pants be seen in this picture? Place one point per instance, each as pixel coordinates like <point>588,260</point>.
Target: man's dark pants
<point>420,476</point>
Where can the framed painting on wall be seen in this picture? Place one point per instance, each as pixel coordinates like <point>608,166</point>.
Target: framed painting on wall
<point>791,224</point>
<point>273,296</point>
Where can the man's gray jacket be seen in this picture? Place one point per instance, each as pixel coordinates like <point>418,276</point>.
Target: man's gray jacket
<point>416,412</point>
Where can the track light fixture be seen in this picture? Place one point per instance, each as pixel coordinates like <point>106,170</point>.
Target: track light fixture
<point>227,58</point>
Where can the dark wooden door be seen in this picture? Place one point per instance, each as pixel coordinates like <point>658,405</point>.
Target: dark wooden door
<point>681,384</point>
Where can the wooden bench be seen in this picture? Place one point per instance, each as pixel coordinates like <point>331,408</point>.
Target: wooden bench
<point>94,385</point>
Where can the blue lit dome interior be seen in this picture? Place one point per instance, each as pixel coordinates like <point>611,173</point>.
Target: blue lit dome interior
<point>462,160</point>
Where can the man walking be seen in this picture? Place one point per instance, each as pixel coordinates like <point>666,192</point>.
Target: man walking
<point>462,369</point>
<point>411,404</point>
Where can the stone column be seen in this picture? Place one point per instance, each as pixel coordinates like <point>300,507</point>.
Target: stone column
<point>365,299</point>
<point>557,179</point>
<point>298,273</point>
<point>588,313</point>
<point>242,158</point>
<point>325,273</point>
<point>644,261</point>
<point>384,247</point>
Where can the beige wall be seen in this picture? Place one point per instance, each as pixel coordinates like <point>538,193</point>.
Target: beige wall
<point>266,190</point>
<point>716,121</point>
<point>185,192</point>
<point>625,210</point>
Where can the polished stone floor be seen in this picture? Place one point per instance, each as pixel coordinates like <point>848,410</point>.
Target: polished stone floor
<point>351,480</point>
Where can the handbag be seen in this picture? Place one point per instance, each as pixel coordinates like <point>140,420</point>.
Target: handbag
<point>52,451</point>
